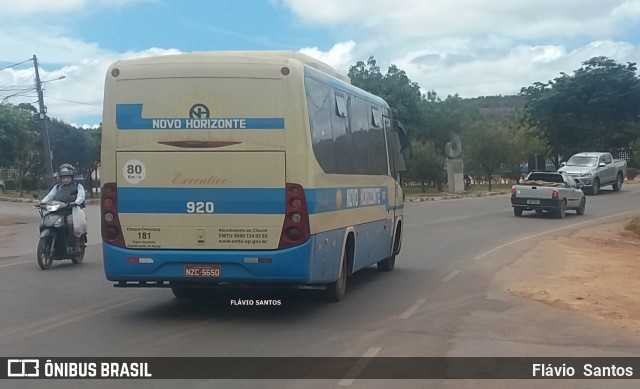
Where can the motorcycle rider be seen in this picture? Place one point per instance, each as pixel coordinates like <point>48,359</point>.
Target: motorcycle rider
<point>70,192</point>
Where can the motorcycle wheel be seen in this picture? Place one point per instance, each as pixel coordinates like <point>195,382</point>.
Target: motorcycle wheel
<point>79,256</point>
<point>45,256</point>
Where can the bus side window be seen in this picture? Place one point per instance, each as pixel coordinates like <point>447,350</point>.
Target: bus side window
<point>341,105</point>
<point>395,149</point>
<point>319,103</point>
<point>376,116</point>
<point>342,138</point>
<point>377,151</point>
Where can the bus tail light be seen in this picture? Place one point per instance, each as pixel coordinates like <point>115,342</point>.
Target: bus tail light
<point>110,223</point>
<point>295,229</point>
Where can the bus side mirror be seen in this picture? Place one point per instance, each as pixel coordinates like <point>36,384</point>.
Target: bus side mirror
<point>403,136</point>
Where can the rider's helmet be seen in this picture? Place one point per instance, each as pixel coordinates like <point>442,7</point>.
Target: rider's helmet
<point>66,170</point>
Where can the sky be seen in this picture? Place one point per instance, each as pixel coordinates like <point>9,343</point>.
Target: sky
<point>467,47</point>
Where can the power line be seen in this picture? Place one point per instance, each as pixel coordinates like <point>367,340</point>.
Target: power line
<point>15,88</point>
<point>76,102</point>
<point>16,64</point>
<point>20,92</point>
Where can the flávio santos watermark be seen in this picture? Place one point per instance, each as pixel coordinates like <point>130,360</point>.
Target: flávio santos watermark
<point>321,368</point>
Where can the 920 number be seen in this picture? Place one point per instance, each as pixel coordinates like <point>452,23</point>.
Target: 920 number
<point>200,207</point>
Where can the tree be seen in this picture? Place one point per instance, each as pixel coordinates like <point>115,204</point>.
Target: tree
<point>635,154</point>
<point>93,163</point>
<point>76,146</point>
<point>441,118</point>
<point>14,133</point>
<point>426,164</point>
<point>523,140</point>
<point>402,94</point>
<point>596,108</point>
<point>17,140</point>
<point>486,147</point>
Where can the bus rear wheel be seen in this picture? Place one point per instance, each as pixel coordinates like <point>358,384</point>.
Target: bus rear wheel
<point>335,291</point>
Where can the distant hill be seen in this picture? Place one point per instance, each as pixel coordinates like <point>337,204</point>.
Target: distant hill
<point>496,107</point>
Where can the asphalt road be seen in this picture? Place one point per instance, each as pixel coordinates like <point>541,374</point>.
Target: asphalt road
<point>439,301</point>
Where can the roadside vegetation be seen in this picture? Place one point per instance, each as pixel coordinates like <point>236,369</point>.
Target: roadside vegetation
<point>474,190</point>
<point>25,195</point>
<point>594,108</point>
<point>633,226</point>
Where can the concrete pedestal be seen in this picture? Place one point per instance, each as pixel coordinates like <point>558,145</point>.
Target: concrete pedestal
<point>455,175</point>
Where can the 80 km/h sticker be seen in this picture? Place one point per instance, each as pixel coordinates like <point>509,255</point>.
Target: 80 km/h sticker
<point>134,171</point>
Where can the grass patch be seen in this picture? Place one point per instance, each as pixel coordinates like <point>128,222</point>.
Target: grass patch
<point>476,189</point>
<point>633,226</point>
<point>26,194</point>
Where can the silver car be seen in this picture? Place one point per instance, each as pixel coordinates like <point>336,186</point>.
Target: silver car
<point>2,187</point>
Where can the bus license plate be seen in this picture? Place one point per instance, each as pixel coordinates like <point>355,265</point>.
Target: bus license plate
<point>212,271</point>
<point>535,202</point>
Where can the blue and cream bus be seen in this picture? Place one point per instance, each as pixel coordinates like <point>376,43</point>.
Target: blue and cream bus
<point>245,167</point>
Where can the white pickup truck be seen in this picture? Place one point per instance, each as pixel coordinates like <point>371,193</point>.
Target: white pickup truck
<point>595,170</point>
<point>551,192</point>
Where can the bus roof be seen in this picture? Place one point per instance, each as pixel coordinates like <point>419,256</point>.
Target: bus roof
<point>241,57</point>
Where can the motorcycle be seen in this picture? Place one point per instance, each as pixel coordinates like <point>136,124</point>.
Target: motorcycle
<point>55,242</point>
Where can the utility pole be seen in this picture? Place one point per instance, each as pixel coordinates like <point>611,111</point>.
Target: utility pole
<point>47,155</point>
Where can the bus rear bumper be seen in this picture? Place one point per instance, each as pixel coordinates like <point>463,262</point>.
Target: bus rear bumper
<point>159,268</point>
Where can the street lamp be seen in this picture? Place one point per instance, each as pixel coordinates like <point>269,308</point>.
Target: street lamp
<point>55,79</point>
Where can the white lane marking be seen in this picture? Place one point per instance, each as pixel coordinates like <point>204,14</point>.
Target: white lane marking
<point>359,366</point>
<point>412,309</point>
<point>450,276</point>
<point>592,221</point>
<point>451,219</point>
<point>66,318</point>
<point>15,263</point>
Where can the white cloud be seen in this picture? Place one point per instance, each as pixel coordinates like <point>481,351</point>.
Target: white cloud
<point>26,7</point>
<point>13,8</point>
<point>475,48</point>
<point>79,94</point>
<point>436,18</point>
<point>340,56</point>
<point>487,72</point>
<point>627,10</point>
<point>467,47</point>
